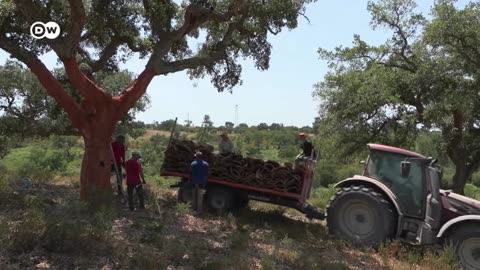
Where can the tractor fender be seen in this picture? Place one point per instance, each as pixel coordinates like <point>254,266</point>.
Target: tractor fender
<point>457,220</point>
<point>370,182</point>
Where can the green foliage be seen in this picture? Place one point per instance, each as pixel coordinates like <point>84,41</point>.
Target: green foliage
<point>472,191</point>
<point>327,173</point>
<point>320,196</point>
<point>267,262</point>
<point>152,152</point>
<point>422,78</point>
<point>239,240</point>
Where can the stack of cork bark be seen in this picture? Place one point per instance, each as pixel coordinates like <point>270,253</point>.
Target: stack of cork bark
<point>235,168</point>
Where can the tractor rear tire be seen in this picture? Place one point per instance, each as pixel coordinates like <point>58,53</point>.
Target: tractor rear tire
<point>466,242</point>
<point>361,216</point>
<point>185,193</point>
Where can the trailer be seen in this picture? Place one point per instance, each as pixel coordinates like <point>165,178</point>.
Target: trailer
<point>222,195</point>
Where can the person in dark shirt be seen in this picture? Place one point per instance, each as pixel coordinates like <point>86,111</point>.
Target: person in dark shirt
<point>225,147</point>
<point>199,178</point>
<point>307,148</point>
<point>118,149</point>
<point>134,181</point>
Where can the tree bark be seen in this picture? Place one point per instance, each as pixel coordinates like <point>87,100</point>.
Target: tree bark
<point>95,172</point>
<point>457,152</point>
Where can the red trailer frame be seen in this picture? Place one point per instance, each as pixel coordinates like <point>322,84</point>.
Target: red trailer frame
<point>302,197</point>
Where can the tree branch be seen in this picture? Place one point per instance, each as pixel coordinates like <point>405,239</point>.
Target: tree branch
<point>132,93</point>
<point>82,83</point>
<point>155,23</point>
<point>56,90</point>
<point>217,54</point>
<point>74,34</point>
<point>111,49</point>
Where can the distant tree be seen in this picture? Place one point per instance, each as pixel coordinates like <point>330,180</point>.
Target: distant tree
<point>307,129</point>
<point>274,126</point>
<point>288,151</point>
<point>229,125</point>
<point>207,121</point>
<point>188,123</point>
<point>166,125</point>
<point>263,126</point>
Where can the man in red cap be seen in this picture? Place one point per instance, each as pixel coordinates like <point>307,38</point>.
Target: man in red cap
<point>306,146</point>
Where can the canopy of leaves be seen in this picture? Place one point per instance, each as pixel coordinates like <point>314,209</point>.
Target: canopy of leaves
<point>103,33</point>
<point>426,76</point>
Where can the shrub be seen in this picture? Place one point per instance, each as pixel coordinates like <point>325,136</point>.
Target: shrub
<point>239,240</point>
<point>472,191</point>
<point>24,234</point>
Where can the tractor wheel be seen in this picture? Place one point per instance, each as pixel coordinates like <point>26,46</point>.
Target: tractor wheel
<point>361,216</point>
<point>185,193</point>
<point>220,199</point>
<point>466,242</point>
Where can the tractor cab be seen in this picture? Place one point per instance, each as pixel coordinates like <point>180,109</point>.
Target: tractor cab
<point>414,181</point>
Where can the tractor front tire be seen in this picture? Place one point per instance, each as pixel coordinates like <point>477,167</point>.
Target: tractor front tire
<point>361,216</point>
<point>466,242</point>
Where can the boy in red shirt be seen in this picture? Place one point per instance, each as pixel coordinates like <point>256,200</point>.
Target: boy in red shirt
<point>135,177</point>
<point>118,149</point>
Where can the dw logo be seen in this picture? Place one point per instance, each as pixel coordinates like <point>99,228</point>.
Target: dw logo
<point>50,30</point>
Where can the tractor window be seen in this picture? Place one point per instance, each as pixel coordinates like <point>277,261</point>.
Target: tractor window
<point>385,167</point>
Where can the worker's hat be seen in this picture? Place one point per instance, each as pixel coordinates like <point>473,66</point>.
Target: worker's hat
<point>198,154</point>
<point>136,154</point>
<point>301,134</point>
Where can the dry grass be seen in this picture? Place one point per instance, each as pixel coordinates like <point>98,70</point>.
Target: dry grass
<point>51,228</point>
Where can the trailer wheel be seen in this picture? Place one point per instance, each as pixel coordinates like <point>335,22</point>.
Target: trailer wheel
<point>361,216</point>
<point>240,203</point>
<point>185,193</point>
<point>466,242</point>
<point>220,199</point>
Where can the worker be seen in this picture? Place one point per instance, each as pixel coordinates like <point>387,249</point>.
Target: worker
<point>199,178</point>
<point>118,149</point>
<point>307,148</point>
<point>134,181</point>
<point>225,147</point>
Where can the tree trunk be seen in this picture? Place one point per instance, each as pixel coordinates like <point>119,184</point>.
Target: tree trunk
<point>95,172</point>
<point>460,178</point>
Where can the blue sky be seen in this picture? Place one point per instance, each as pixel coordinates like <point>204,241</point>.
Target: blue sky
<point>283,94</point>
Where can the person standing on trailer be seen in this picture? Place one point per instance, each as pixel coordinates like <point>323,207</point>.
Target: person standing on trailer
<point>199,178</point>
<point>134,181</point>
<point>225,147</point>
<point>307,148</point>
<point>118,148</point>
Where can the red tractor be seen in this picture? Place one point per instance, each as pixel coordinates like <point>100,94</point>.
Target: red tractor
<point>399,197</point>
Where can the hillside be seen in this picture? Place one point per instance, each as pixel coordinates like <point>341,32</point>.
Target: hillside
<point>47,227</point>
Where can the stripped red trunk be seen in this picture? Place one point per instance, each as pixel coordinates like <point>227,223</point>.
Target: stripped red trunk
<point>95,173</point>
<point>95,117</point>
